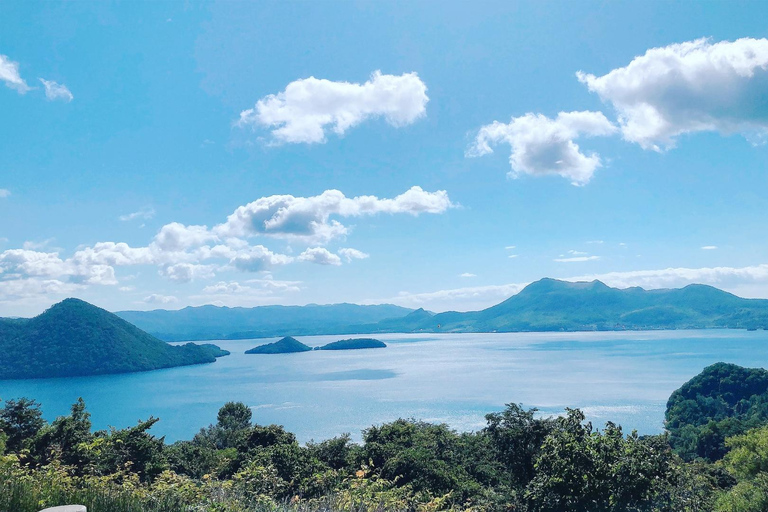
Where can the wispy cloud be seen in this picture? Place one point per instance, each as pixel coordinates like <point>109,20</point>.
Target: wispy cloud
<point>9,73</point>
<point>709,248</point>
<point>160,299</point>
<point>467,275</point>
<point>4,192</point>
<point>575,257</point>
<point>145,213</point>
<point>56,91</point>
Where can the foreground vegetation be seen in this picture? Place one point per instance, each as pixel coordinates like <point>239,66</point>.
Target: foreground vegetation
<point>518,462</point>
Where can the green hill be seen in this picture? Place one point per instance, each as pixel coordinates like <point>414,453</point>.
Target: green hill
<point>722,401</point>
<point>74,338</point>
<point>354,344</point>
<point>286,345</point>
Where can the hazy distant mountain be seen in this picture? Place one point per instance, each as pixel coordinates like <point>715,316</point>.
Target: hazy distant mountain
<point>546,305</point>
<point>74,338</point>
<point>552,305</point>
<point>213,322</point>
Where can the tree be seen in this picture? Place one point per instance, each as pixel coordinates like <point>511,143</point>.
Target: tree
<point>20,420</point>
<point>62,438</point>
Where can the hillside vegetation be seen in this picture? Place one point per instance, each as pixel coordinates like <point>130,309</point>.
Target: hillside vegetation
<point>74,338</point>
<point>518,462</point>
<point>722,401</point>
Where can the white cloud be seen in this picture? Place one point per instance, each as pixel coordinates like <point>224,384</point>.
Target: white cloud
<point>320,255</point>
<point>709,248</point>
<point>309,108</point>
<point>15,290</point>
<point>727,277</point>
<point>513,256</point>
<point>56,91</point>
<point>160,299</point>
<point>352,254</point>
<point>576,259</point>
<point>459,299</point>
<point>145,213</point>
<point>542,146</point>
<point>308,218</point>
<point>467,275</point>
<point>31,245</point>
<point>510,247</point>
<point>258,258</point>
<point>186,272</point>
<point>9,73</point>
<point>248,293</point>
<point>177,237</point>
<point>4,192</point>
<point>689,87</point>
<point>598,242</point>
<point>186,253</point>
<point>261,287</point>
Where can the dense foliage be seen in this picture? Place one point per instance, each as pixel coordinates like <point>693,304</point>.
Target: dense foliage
<point>286,345</point>
<point>74,338</point>
<point>519,462</point>
<point>722,401</point>
<point>354,344</point>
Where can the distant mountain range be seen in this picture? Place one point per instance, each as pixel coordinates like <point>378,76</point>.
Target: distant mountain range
<point>74,338</point>
<point>546,305</point>
<point>213,322</point>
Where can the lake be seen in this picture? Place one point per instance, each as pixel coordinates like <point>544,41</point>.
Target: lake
<point>625,377</point>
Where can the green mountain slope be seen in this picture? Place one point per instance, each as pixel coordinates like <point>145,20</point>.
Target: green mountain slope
<point>722,401</point>
<point>74,338</point>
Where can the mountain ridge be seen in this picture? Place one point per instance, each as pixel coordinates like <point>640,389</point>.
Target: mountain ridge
<point>544,305</point>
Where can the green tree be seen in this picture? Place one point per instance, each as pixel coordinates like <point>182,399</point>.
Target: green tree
<point>62,438</point>
<point>20,420</point>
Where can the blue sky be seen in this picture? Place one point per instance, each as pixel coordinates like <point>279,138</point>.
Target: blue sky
<point>179,153</point>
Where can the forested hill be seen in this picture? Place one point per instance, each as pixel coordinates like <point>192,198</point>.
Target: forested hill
<point>74,338</point>
<point>214,322</point>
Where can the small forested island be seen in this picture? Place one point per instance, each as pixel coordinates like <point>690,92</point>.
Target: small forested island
<point>714,459</point>
<point>216,350</point>
<point>287,345</point>
<point>354,344</point>
<point>74,338</point>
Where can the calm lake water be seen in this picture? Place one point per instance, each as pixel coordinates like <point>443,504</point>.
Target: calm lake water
<point>449,378</point>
